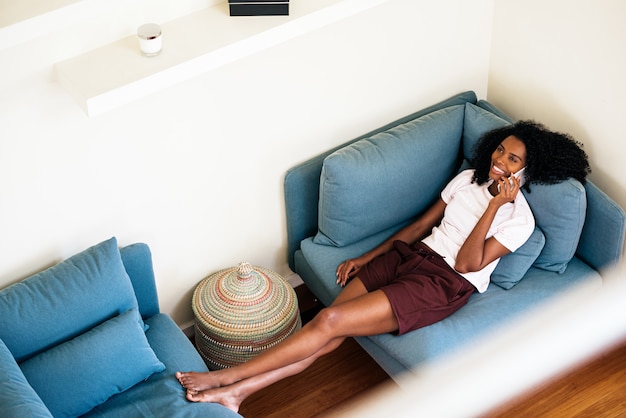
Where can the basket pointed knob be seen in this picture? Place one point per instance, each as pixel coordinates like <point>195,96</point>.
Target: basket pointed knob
<point>244,269</point>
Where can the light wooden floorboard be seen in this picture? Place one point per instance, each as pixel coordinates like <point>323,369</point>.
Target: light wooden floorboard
<point>330,382</point>
<point>595,389</point>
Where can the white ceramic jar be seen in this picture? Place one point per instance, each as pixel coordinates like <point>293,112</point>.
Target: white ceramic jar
<point>150,39</point>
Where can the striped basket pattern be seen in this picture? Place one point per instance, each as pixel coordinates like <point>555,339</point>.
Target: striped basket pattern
<point>241,311</point>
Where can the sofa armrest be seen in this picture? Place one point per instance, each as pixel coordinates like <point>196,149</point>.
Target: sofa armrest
<point>17,398</point>
<point>301,191</point>
<point>602,240</point>
<point>137,260</point>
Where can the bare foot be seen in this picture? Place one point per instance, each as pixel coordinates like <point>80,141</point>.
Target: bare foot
<point>197,382</point>
<point>225,396</point>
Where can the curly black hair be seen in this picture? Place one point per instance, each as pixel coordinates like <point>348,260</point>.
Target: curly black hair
<point>551,157</point>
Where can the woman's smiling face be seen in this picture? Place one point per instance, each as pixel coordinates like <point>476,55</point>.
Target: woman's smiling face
<point>508,158</point>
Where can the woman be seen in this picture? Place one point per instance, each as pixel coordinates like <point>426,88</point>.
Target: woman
<point>427,270</point>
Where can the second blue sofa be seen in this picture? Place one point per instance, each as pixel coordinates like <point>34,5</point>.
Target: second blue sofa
<point>86,337</point>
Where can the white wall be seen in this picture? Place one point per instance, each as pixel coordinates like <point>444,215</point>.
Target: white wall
<point>196,170</point>
<point>563,63</point>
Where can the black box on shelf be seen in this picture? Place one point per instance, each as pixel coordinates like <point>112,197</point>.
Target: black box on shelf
<point>259,7</point>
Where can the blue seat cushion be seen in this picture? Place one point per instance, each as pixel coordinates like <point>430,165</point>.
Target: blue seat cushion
<point>376,182</point>
<point>324,259</point>
<point>65,300</point>
<point>484,313</point>
<point>79,374</point>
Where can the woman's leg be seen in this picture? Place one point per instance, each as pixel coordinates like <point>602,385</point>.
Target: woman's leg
<point>232,396</point>
<point>355,312</point>
<point>195,379</point>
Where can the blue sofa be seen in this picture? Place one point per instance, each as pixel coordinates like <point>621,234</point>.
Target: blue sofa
<point>86,337</point>
<point>349,199</point>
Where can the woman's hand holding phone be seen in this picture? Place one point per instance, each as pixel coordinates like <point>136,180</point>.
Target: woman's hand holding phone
<point>509,186</point>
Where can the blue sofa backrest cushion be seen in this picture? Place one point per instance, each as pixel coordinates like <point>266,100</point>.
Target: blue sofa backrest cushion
<point>388,178</point>
<point>64,301</point>
<point>476,123</point>
<point>301,183</point>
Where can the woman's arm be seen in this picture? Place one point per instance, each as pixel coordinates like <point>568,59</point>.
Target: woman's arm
<point>477,252</point>
<point>409,234</point>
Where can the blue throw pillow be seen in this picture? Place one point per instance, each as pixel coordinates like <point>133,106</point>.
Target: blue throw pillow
<point>17,397</point>
<point>559,211</point>
<point>82,373</point>
<point>388,178</point>
<point>512,267</point>
<point>65,300</point>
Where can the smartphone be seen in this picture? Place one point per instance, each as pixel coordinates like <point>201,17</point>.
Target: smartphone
<point>518,176</point>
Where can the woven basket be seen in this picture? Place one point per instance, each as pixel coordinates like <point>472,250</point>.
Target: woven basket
<point>240,312</point>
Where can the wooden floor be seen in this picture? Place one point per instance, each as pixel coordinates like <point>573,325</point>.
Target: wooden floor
<point>596,389</point>
<point>329,383</point>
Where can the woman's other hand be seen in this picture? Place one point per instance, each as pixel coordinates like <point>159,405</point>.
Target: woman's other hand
<point>348,269</point>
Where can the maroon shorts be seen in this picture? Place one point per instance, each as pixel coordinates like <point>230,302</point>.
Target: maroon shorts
<point>421,287</point>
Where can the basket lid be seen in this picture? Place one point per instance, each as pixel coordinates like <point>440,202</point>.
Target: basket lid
<point>243,297</point>
<point>241,312</point>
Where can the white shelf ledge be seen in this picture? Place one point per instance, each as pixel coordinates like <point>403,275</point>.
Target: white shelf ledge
<point>116,74</point>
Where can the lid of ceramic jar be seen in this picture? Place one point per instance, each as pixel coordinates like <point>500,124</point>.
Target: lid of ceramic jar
<point>149,31</point>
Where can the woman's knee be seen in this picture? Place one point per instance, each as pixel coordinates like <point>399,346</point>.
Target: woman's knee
<point>326,320</point>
